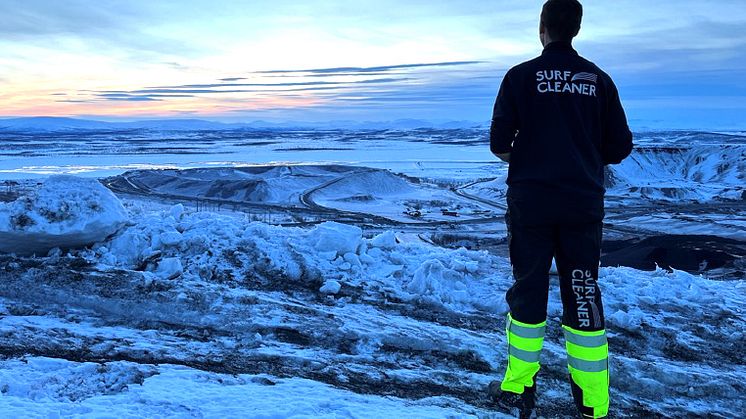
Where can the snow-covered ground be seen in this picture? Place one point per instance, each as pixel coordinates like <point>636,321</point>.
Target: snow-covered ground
<point>186,313</point>
<point>699,173</point>
<point>167,308</point>
<point>320,188</point>
<point>50,387</point>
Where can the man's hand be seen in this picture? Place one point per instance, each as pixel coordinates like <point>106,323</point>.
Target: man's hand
<point>504,157</point>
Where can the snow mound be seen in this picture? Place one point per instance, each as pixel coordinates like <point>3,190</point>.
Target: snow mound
<point>65,212</point>
<point>328,257</point>
<point>701,173</point>
<point>436,279</point>
<point>377,184</point>
<point>385,240</point>
<point>337,238</point>
<point>263,184</point>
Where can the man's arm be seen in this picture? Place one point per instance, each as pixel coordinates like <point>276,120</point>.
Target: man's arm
<point>617,141</point>
<point>504,121</point>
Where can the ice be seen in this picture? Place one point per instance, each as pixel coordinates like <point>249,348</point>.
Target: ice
<point>336,237</point>
<point>432,278</point>
<point>330,287</point>
<point>65,212</point>
<point>177,210</point>
<point>169,268</point>
<point>385,240</point>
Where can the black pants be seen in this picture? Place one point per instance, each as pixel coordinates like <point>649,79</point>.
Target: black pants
<point>576,248</point>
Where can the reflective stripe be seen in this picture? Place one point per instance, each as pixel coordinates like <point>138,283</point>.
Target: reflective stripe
<point>586,341</point>
<point>525,356</point>
<point>588,366</point>
<point>527,332</point>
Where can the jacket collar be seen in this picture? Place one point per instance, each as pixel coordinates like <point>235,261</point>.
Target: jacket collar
<point>559,46</point>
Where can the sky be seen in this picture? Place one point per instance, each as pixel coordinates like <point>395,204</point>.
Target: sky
<point>677,63</point>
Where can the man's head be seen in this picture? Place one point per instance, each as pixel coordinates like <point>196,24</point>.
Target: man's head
<point>560,20</point>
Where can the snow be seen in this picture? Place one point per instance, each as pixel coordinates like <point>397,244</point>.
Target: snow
<point>65,212</point>
<point>657,323</point>
<point>44,387</point>
<point>330,188</point>
<point>385,240</point>
<point>278,185</point>
<point>722,225</point>
<point>386,194</point>
<point>169,311</point>
<point>169,268</point>
<point>330,287</point>
<point>433,278</point>
<point>699,173</point>
<point>336,252</point>
<point>331,237</point>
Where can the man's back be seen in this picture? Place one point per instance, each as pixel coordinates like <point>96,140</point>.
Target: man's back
<point>557,121</point>
<point>569,124</point>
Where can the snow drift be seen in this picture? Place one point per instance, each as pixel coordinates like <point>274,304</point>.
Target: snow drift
<point>65,212</point>
<point>698,173</point>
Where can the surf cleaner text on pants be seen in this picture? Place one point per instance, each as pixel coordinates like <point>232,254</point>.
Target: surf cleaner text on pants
<point>584,287</point>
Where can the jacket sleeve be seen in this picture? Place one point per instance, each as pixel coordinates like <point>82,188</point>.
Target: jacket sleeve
<point>616,143</point>
<point>504,119</point>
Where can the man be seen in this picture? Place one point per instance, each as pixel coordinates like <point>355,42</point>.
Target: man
<point>557,121</point>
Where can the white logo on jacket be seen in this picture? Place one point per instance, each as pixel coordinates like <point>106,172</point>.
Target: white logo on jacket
<point>556,81</point>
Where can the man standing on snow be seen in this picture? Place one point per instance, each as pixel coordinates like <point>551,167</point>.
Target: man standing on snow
<point>557,121</point>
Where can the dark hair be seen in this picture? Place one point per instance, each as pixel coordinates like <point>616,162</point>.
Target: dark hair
<point>561,19</point>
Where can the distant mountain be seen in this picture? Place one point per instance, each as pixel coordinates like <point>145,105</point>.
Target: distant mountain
<point>181,125</point>
<point>402,124</point>
<point>44,123</point>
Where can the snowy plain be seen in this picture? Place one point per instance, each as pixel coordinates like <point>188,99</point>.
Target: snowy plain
<point>182,310</point>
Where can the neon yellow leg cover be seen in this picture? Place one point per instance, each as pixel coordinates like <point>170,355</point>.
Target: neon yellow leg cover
<point>524,347</point>
<point>588,362</point>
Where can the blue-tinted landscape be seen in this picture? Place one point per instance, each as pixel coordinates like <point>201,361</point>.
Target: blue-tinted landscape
<point>364,264</point>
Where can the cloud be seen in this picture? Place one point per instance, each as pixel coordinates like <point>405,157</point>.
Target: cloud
<point>128,97</point>
<point>76,101</point>
<point>451,54</point>
<point>305,83</point>
<point>708,45</point>
<point>95,24</point>
<point>136,99</point>
<point>455,92</point>
<point>340,74</point>
<point>364,70</point>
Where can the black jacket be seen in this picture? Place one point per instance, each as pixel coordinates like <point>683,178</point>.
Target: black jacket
<point>561,119</point>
